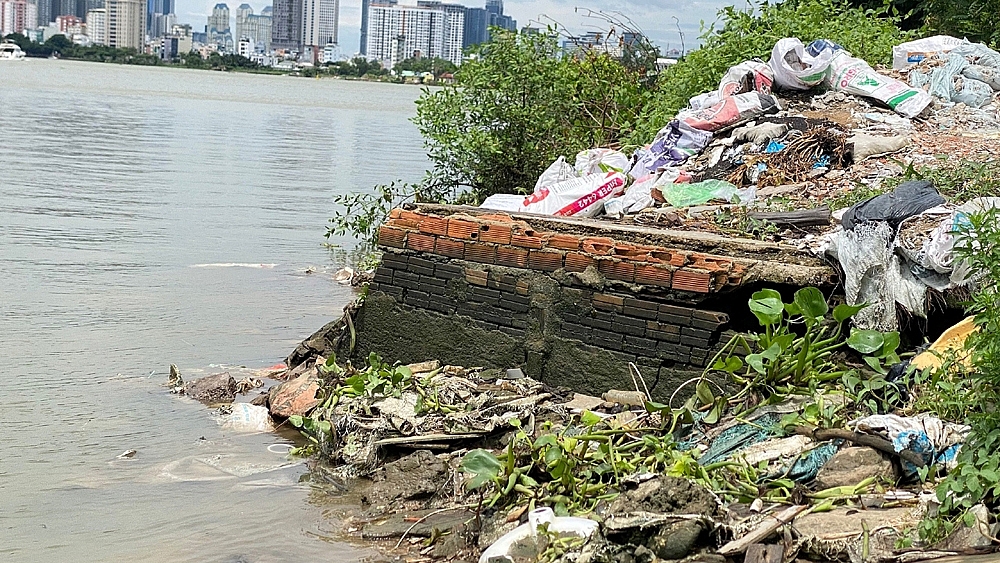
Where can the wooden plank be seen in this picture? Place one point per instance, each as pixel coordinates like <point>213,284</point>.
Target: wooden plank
<point>762,531</point>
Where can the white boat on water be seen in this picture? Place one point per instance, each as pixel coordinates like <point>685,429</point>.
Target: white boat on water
<point>11,52</point>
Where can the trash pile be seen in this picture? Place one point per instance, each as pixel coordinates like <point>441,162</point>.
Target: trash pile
<point>472,464</point>
<point>740,161</point>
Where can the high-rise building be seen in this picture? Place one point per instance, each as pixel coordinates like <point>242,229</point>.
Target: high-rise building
<point>477,24</point>
<point>125,24</point>
<point>364,28</point>
<point>453,30</point>
<point>17,16</point>
<point>286,25</point>
<point>219,20</point>
<point>396,33</point>
<point>319,25</point>
<point>157,25</point>
<point>256,28</point>
<point>97,19</point>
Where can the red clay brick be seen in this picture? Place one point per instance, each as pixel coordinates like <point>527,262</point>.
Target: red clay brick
<point>476,277</point>
<point>636,253</point>
<point>692,280</point>
<point>420,243</point>
<point>478,252</point>
<point>498,217</point>
<point>598,246</point>
<point>434,225</point>
<point>679,259</point>
<point>708,262</point>
<point>495,232</point>
<point>545,260</point>
<point>390,236</point>
<point>450,248</point>
<point>411,216</point>
<point>563,241</point>
<point>617,270</point>
<point>661,255</point>
<point>525,238</point>
<point>578,262</point>
<point>607,302</point>
<point>512,257</point>
<point>462,229</point>
<point>649,274</point>
<point>407,224</point>
<point>395,213</point>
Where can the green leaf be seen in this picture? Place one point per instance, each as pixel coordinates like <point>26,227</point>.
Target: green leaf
<point>890,344</point>
<point>732,364</point>
<point>865,341</point>
<point>811,303</point>
<point>483,465</point>
<point>756,361</point>
<point>704,393</point>
<point>715,414</point>
<point>767,306</point>
<point>295,420</point>
<point>844,311</point>
<point>589,419</point>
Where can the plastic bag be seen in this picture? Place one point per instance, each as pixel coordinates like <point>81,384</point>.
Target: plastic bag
<point>986,74</point>
<point>978,54</point>
<point>730,111</point>
<point>673,145</point>
<point>854,76</point>
<point>972,93</point>
<point>912,52</point>
<point>596,161</point>
<point>524,540</point>
<point>794,68</point>
<point>578,197</point>
<point>504,202</point>
<point>748,76</point>
<point>908,199</point>
<point>686,195</point>
<point>639,195</point>
<point>247,418</point>
<point>866,146</point>
<point>558,171</point>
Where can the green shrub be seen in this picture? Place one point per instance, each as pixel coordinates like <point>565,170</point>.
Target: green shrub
<point>868,34</point>
<point>516,108</point>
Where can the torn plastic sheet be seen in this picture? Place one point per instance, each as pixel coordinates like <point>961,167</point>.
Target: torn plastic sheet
<point>936,441</point>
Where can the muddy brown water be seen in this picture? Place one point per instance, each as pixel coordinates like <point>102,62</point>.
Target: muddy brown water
<point>151,216</point>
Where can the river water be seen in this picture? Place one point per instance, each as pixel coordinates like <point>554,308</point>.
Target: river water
<point>151,216</point>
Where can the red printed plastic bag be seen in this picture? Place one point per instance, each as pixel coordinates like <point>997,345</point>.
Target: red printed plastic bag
<point>579,197</point>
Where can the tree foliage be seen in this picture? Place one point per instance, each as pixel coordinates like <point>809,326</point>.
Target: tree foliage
<point>868,34</point>
<point>437,66</point>
<point>516,107</point>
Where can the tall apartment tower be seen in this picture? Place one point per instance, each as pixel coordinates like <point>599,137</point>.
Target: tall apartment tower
<point>16,16</point>
<point>156,23</point>
<point>125,24</point>
<point>396,33</point>
<point>97,25</point>
<point>286,25</point>
<point>256,28</point>
<point>363,49</point>
<point>219,20</point>
<point>452,30</point>
<point>319,22</point>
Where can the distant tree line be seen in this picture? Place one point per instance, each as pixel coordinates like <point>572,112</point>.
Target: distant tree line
<point>61,46</point>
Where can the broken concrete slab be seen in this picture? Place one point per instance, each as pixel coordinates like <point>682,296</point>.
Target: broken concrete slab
<point>296,396</point>
<point>212,389</point>
<point>852,465</point>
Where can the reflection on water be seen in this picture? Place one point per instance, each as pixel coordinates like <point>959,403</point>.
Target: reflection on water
<point>115,182</point>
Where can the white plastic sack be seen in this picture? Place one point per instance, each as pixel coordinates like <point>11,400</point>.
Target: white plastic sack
<point>504,202</point>
<point>578,197</point>
<point>558,171</point>
<point>854,76</point>
<point>912,52</point>
<point>639,195</point>
<point>523,540</point>
<point>733,110</point>
<point>748,76</point>
<point>598,161</point>
<point>794,68</point>
<point>247,418</point>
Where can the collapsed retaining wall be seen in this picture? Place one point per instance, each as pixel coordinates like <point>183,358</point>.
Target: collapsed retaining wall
<point>571,302</point>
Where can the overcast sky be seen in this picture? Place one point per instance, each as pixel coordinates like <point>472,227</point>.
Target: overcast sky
<point>654,17</point>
